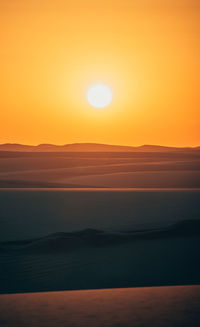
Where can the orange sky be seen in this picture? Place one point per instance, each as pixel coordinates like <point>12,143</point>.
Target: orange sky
<point>146,51</point>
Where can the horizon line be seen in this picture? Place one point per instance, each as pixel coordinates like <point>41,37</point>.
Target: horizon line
<point>97,144</point>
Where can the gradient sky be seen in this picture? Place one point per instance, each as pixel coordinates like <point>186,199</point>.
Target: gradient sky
<point>146,51</point>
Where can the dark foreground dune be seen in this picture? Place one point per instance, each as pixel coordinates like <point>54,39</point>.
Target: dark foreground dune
<point>139,307</point>
<point>92,259</point>
<point>71,240</point>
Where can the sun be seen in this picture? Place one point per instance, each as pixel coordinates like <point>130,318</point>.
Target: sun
<point>99,95</point>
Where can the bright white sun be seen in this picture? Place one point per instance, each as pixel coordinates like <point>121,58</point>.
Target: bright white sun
<point>99,95</point>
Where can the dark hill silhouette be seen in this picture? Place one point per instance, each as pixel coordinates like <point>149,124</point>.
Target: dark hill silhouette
<point>91,147</point>
<point>65,241</point>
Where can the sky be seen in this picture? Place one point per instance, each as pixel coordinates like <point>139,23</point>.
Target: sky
<point>146,51</point>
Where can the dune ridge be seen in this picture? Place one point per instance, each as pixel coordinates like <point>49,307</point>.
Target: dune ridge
<point>63,241</point>
<point>175,169</point>
<point>90,147</point>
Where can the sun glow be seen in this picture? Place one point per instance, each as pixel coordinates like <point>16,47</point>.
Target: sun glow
<point>99,95</point>
<point>76,79</point>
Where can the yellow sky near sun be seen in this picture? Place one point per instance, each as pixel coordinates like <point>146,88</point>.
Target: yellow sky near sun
<point>146,51</point>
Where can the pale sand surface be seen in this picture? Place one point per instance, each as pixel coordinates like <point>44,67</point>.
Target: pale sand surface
<point>153,306</point>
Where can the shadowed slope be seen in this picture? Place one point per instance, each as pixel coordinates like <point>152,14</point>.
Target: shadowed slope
<point>62,242</point>
<point>91,259</point>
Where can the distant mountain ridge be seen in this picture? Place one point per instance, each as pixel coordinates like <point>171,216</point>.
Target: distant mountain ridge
<point>91,147</point>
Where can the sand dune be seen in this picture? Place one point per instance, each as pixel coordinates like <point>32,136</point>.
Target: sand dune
<point>90,254</point>
<point>92,259</point>
<point>106,169</point>
<point>65,242</point>
<point>28,214</point>
<point>146,179</point>
<point>140,307</point>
